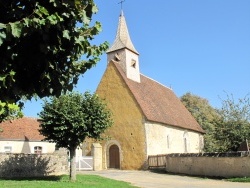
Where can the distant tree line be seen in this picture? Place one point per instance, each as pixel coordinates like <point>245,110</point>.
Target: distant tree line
<point>226,127</point>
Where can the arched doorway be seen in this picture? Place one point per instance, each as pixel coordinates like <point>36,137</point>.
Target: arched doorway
<point>114,157</point>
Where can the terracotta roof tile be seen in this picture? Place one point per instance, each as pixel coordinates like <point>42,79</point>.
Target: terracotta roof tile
<point>21,129</point>
<point>159,103</point>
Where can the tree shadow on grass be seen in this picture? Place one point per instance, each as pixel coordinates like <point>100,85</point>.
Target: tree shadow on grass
<point>45,178</point>
<point>21,166</point>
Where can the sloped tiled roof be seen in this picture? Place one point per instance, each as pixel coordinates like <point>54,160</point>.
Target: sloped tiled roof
<point>21,129</point>
<point>159,103</point>
<point>122,39</point>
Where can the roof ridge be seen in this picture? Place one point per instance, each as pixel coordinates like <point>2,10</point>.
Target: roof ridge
<point>29,117</point>
<point>157,82</point>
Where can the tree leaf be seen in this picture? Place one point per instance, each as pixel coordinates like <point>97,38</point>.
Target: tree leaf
<point>94,9</point>
<point>66,34</point>
<point>2,37</point>
<point>43,10</point>
<point>2,25</point>
<point>16,29</point>
<point>85,18</point>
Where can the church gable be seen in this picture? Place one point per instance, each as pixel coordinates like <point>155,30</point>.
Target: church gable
<point>128,129</point>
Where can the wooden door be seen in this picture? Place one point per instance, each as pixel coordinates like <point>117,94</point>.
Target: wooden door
<point>114,157</point>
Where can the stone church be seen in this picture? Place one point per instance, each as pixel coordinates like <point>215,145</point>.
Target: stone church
<point>149,119</point>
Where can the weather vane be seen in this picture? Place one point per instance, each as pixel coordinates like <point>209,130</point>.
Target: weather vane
<point>121,2</point>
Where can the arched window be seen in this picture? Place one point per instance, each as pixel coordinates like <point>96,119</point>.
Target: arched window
<point>185,145</point>
<point>168,142</point>
<point>201,142</point>
<point>133,63</point>
<point>186,142</point>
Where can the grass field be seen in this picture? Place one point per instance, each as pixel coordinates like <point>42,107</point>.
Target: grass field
<point>246,179</point>
<point>88,181</point>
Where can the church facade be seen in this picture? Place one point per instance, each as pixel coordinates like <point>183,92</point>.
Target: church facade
<point>149,119</point>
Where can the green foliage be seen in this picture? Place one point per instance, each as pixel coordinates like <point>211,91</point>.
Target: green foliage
<point>89,181</point>
<point>9,111</point>
<point>226,128</point>
<point>69,119</point>
<point>42,43</point>
<point>243,179</point>
<point>205,115</point>
<point>233,126</point>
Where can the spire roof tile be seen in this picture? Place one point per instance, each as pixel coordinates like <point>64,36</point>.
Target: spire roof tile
<point>122,39</point>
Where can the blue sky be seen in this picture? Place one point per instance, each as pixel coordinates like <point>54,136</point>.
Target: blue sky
<point>196,46</point>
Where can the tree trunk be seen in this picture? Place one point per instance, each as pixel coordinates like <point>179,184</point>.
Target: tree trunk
<point>72,160</point>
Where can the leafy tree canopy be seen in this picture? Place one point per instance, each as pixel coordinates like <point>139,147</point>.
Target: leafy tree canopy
<point>69,119</point>
<point>204,114</point>
<point>227,127</point>
<point>200,108</point>
<point>233,126</point>
<point>41,44</point>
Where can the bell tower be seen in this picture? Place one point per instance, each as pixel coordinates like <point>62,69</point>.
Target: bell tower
<point>123,51</point>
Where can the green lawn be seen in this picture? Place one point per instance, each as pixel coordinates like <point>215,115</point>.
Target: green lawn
<point>88,181</point>
<point>245,179</point>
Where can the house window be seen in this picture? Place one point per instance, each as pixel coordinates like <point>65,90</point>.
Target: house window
<point>7,149</point>
<point>133,63</point>
<point>38,150</point>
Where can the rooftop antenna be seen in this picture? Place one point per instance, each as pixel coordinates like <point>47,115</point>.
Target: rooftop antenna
<point>121,2</point>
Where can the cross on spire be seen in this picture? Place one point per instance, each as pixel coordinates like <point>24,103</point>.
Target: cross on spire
<point>121,2</point>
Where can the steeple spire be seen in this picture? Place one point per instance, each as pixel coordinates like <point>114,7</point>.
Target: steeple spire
<point>123,51</point>
<point>122,39</point>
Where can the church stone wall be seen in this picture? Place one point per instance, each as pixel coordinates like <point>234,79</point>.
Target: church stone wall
<point>128,130</point>
<point>210,164</point>
<point>162,139</point>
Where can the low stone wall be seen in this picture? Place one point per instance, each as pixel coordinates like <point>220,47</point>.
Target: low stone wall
<point>32,165</point>
<point>210,164</point>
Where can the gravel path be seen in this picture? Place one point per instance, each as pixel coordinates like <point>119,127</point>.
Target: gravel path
<point>147,179</point>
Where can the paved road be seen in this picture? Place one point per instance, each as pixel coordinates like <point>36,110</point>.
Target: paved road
<point>146,179</point>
